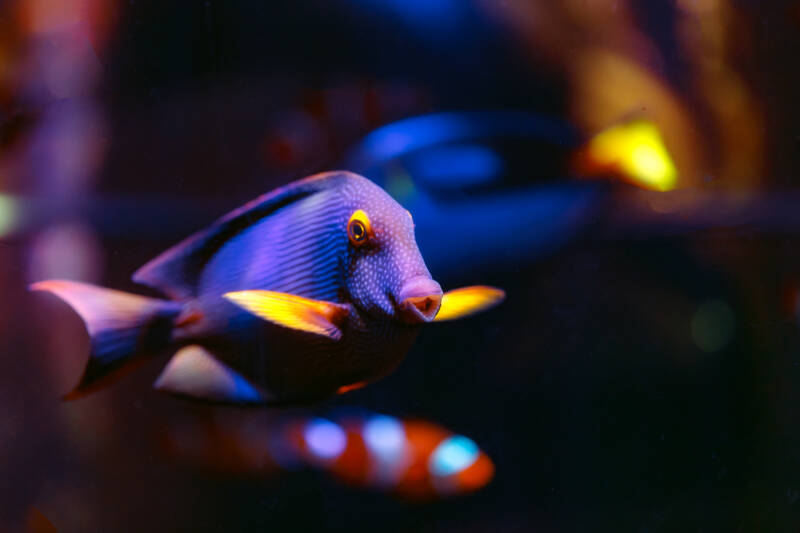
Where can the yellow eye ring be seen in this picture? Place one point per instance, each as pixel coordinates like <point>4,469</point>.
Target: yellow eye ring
<point>358,228</point>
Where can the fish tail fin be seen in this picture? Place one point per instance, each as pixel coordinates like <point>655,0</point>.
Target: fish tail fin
<point>123,328</point>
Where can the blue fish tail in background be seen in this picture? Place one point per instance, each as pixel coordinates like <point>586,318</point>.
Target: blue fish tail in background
<point>123,328</point>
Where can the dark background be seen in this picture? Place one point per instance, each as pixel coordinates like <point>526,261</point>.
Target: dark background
<point>586,387</point>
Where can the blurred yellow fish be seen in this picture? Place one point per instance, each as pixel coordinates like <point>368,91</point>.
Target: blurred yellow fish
<point>633,151</point>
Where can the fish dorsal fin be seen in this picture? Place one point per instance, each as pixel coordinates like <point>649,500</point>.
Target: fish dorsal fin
<point>176,270</point>
<point>193,371</point>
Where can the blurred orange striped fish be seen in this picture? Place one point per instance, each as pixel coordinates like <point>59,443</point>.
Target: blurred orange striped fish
<point>411,458</point>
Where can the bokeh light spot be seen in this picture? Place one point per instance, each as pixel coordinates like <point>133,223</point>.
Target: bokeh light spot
<point>453,455</point>
<point>712,325</point>
<point>385,437</point>
<point>400,185</point>
<point>325,439</point>
<point>9,214</point>
<point>638,150</point>
<point>66,251</point>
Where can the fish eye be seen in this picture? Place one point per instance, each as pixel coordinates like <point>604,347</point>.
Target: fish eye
<point>358,228</point>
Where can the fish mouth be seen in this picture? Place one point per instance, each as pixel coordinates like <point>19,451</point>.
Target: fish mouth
<point>419,300</point>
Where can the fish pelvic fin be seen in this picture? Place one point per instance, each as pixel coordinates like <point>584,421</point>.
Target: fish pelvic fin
<point>123,328</point>
<point>467,301</point>
<point>294,312</point>
<point>195,372</point>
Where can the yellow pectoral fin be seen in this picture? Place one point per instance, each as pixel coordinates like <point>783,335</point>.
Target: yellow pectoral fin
<point>467,301</point>
<point>295,312</point>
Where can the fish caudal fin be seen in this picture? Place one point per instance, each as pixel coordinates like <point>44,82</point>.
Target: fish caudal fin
<point>122,328</point>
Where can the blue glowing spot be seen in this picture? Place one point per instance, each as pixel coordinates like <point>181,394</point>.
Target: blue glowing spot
<point>396,141</point>
<point>453,455</point>
<point>418,11</point>
<point>325,439</point>
<point>456,167</point>
<point>385,437</point>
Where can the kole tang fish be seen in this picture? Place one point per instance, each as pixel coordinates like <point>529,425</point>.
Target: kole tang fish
<point>315,288</point>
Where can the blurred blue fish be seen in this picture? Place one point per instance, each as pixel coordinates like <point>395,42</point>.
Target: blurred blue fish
<point>486,182</point>
<point>315,288</point>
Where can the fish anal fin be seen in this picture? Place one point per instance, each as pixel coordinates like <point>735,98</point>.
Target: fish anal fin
<point>193,371</point>
<point>295,312</point>
<point>344,389</point>
<point>467,301</point>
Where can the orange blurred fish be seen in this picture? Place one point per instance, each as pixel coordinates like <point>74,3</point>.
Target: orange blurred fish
<point>411,458</point>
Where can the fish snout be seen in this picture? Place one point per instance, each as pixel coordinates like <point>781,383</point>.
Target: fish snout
<point>419,300</point>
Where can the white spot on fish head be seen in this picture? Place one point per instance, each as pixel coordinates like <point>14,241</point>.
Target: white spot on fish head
<point>378,270</point>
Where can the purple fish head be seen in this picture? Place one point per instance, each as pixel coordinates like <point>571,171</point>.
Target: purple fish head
<point>385,274</point>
